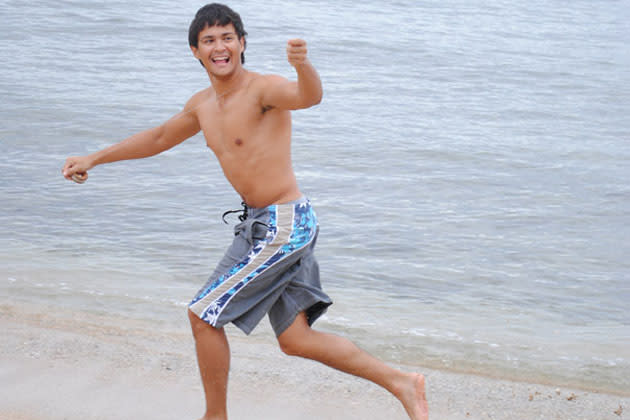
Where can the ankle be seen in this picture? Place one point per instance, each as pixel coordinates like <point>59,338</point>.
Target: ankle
<point>213,416</point>
<point>405,383</point>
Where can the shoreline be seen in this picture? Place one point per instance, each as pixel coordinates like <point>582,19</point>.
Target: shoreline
<point>74,365</point>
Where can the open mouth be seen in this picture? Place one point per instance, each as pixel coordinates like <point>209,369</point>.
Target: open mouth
<point>221,60</point>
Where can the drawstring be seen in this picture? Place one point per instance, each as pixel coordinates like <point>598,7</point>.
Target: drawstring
<point>241,217</point>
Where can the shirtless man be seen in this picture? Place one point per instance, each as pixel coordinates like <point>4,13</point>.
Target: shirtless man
<point>269,268</point>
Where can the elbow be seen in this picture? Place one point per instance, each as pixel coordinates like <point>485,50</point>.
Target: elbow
<point>312,100</point>
<point>319,95</point>
<point>318,98</point>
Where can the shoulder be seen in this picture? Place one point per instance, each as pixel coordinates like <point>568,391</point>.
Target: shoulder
<point>272,91</point>
<point>263,82</point>
<point>198,98</point>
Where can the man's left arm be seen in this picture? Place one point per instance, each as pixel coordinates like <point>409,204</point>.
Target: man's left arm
<point>305,92</point>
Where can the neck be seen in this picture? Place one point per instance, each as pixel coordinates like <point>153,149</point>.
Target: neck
<point>225,84</point>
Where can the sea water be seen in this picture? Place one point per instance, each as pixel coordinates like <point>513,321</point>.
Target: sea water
<point>469,163</point>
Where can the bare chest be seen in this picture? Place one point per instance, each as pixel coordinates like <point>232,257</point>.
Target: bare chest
<point>230,125</point>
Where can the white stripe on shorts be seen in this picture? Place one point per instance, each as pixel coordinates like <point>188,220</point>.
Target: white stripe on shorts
<point>284,224</point>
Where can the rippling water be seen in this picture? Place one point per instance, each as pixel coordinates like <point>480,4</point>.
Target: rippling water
<point>469,165</point>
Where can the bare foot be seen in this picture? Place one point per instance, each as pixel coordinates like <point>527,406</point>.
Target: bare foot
<point>413,398</point>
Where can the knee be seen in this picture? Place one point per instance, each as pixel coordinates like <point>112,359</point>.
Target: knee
<point>294,341</point>
<point>297,342</point>
<point>290,347</point>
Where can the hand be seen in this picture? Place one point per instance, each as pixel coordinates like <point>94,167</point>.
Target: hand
<point>75,169</point>
<point>296,52</point>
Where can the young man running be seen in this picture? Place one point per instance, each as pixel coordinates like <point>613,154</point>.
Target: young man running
<point>270,267</point>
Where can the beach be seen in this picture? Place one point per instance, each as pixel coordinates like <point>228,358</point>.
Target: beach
<point>57,364</point>
<point>468,165</point>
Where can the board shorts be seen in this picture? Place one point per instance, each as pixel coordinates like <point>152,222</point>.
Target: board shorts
<point>270,268</point>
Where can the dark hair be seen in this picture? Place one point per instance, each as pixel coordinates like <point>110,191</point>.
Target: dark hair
<point>219,15</point>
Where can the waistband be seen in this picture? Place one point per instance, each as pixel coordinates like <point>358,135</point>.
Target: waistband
<point>247,211</point>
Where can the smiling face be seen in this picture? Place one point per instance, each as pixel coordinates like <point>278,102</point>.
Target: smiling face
<point>219,49</point>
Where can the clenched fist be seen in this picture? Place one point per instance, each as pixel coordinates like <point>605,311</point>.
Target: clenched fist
<point>296,52</point>
<point>76,168</point>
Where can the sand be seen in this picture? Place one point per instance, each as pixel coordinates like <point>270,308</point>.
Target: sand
<point>64,365</point>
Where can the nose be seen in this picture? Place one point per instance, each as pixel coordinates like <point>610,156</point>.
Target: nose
<point>219,45</point>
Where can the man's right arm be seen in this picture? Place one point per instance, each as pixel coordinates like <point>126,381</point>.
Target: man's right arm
<point>141,145</point>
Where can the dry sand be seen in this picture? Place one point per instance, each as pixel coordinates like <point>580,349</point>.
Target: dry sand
<point>58,365</point>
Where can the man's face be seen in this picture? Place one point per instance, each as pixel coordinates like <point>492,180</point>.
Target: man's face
<point>219,49</point>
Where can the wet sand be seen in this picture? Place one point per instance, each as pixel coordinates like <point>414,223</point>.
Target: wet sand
<point>57,365</point>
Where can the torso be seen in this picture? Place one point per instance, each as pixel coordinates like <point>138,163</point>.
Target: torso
<point>252,144</point>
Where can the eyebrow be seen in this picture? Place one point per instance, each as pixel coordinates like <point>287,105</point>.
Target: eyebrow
<point>223,34</point>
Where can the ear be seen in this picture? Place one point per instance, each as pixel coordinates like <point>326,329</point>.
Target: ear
<point>195,52</point>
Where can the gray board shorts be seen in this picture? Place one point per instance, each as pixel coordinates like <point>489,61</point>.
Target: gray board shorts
<point>270,268</point>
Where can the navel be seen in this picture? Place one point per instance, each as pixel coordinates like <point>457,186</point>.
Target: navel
<point>238,142</point>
